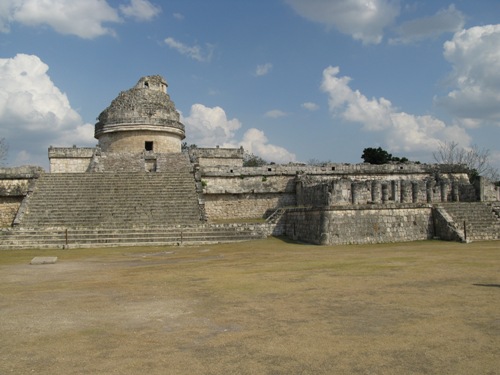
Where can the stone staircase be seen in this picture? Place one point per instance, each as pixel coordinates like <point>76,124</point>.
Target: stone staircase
<point>148,236</point>
<point>122,199</point>
<point>115,207</point>
<point>481,220</point>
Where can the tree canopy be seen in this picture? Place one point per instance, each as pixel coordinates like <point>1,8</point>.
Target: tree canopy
<point>380,156</point>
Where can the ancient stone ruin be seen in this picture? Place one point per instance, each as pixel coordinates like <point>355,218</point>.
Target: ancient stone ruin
<point>138,187</point>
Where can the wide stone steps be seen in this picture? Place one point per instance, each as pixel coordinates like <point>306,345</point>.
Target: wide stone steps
<point>478,218</point>
<point>112,199</point>
<point>106,237</point>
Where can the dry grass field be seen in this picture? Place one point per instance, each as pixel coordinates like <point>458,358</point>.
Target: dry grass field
<point>263,307</point>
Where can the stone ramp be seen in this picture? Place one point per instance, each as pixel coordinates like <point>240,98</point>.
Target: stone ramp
<point>147,236</point>
<point>481,219</point>
<point>121,199</point>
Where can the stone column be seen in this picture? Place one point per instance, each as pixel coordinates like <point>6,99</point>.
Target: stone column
<point>444,190</point>
<point>376,194</point>
<point>354,193</point>
<point>414,191</point>
<point>406,192</point>
<point>396,194</point>
<point>385,193</point>
<point>429,186</point>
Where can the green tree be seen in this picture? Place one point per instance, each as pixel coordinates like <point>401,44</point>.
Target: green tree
<point>376,156</point>
<point>380,156</point>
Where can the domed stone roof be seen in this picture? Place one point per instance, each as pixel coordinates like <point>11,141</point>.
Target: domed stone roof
<point>146,106</point>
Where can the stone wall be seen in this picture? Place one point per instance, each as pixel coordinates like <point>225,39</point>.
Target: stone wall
<point>8,209</point>
<point>14,186</point>
<point>214,157</point>
<point>488,191</point>
<point>70,159</point>
<point>245,206</point>
<point>360,224</point>
<point>245,192</point>
<point>135,140</point>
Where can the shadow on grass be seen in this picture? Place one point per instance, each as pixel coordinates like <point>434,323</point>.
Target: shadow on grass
<point>488,285</point>
<point>294,242</point>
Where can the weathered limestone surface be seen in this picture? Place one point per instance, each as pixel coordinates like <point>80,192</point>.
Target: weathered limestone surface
<point>141,118</point>
<point>14,185</point>
<point>134,141</point>
<point>244,206</point>
<point>8,210</point>
<point>70,159</point>
<point>360,225</point>
<point>217,157</point>
<point>487,190</point>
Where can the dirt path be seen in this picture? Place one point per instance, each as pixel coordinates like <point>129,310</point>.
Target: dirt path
<point>264,307</point>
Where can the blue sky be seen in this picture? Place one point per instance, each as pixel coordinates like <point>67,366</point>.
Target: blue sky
<point>290,80</point>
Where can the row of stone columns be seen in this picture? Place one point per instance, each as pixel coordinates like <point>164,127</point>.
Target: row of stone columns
<point>404,191</point>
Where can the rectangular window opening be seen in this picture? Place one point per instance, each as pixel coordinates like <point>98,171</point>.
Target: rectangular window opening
<point>148,145</point>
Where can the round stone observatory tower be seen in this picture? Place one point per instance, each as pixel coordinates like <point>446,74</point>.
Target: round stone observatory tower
<point>141,119</point>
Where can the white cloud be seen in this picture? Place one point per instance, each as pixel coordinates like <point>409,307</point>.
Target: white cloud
<point>402,131</point>
<point>364,20</point>
<point>255,142</point>
<point>86,19</point>
<point>83,18</point>
<point>310,106</point>
<point>141,10</point>
<point>34,113</point>
<point>195,52</point>
<point>448,20</point>
<point>178,16</point>
<point>209,127</point>
<point>475,57</point>
<point>275,113</point>
<point>263,69</point>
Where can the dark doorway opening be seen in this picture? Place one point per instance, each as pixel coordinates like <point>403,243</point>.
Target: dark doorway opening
<point>148,145</point>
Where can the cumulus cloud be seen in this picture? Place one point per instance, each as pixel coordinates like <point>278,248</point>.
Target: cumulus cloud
<point>263,69</point>
<point>195,52</point>
<point>34,113</point>
<point>275,113</point>
<point>141,10</point>
<point>310,106</point>
<point>364,20</point>
<point>83,18</point>
<point>209,127</point>
<point>86,19</point>
<point>402,131</point>
<point>475,57</point>
<point>255,142</point>
<point>447,20</point>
